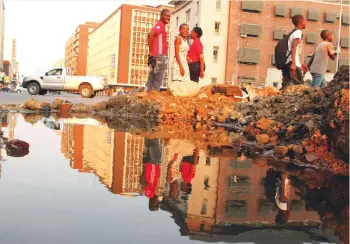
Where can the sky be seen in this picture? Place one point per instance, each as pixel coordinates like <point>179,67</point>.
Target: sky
<point>42,27</point>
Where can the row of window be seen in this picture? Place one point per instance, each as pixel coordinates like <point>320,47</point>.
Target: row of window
<point>252,30</point>
<point>282,11</point>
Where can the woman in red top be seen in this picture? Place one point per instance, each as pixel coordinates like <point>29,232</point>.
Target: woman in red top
<point>195,56</point>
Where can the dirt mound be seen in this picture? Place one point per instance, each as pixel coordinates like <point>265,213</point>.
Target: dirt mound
<point>127,108</point>
<point>317,120</point>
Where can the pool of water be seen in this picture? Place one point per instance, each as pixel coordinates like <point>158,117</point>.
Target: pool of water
<point>82,182</point>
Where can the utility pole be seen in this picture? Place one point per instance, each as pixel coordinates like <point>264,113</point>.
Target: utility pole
<point>338,43</point>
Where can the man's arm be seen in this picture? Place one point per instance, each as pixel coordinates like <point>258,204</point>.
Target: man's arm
<point>331,52</point>
<point>201,65</point>
<point>296,42</point>
<point>201,61</point>
<point>311,60</point>
<point>151,35</point>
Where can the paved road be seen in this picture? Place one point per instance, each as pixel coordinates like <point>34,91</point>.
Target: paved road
<point>20,98</point>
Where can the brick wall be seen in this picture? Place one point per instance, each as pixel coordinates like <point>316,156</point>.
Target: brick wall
<point>265,41</point>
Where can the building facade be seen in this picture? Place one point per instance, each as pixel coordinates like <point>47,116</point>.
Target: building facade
<point>8,69</point>
<point>118,47</point>
<point>2,33</point>
<point>76,48</point>
<point>239,37</point>
<point>212,17</point>
<point>255,27</point>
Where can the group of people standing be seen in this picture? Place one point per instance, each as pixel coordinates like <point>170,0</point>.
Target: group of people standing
<point>188,66</point>
<point>293,71</point>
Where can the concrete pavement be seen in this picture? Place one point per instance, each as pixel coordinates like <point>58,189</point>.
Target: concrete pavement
<point>20,98</point>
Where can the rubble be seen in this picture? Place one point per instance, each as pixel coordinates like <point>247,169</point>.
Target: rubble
<point>311,125</point>
<point>303,125</point>
<point>32,104</point>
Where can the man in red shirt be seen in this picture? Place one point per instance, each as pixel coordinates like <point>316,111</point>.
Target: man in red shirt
<point>158,52</point>
<point>195,57</point>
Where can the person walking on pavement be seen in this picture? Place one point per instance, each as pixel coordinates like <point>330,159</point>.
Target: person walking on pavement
<point>158,52</point>
<point>319,60</point>
<point>294,68</point>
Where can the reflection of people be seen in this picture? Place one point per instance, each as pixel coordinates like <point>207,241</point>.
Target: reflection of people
<point>158,50</point>
<point>152,156</point>
<point>188,170</point>
<point>282,199</point>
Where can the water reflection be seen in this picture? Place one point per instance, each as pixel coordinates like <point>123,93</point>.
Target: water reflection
<point>212,194</point>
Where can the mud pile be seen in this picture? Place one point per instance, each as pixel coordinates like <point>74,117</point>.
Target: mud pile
<point>304,125</point>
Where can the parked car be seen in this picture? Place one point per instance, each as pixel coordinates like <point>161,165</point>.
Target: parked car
<point>60,80</point>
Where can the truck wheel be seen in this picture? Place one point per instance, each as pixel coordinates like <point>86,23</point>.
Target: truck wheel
<point>85,91</point>
<point>42,92</point>
<point>33,88</point>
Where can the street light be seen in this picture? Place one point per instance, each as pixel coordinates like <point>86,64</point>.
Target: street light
<point>338,44</point>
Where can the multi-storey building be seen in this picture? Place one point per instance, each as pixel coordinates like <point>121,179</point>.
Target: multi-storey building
<point>118,48</point>
<point>256,26</point>
<point>239,37</point>
<point>212,17</point>
<point>2,32</point>
<point>8,69</point>
<point>76,48</point>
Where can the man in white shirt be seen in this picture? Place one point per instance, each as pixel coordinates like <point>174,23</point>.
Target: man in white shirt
<point>293,72</point>
<point>319,61</point>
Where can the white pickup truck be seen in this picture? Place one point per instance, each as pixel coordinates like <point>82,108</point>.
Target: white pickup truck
<point>60,80</point>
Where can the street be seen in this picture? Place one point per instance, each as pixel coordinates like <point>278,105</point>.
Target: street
<point>20,98</point>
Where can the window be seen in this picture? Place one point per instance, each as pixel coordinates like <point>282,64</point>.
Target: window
<point>215,54</point>
<point>207,161</point>
<point>214,80</point>
<point>197,7</point>
<point>177,21</point>
<point>54,72</point>
<point>218,5</point>
<point>206,183</point>
<point>204,208</point>
<point>217,27</point>
<point>188,15</point>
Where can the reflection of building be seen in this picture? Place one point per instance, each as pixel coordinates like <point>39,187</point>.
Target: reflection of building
<point>76,48</point>
<point>118,47</point>
<point>115,157</point>
<point>227,192</point>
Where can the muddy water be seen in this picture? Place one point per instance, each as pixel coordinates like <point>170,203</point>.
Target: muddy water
<point>83,182</point>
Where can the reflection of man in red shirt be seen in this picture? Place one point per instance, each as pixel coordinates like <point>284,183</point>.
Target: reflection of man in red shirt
<point>188,170</point>
<point>195,57</point>
<point>151,171</point>
<point>158,52</point>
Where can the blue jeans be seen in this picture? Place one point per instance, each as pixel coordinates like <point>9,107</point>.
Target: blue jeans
<point>317,79</point>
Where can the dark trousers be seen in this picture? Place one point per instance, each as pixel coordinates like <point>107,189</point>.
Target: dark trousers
<point>297,79</point>
<point>156,75</point>
<point>195,70</point>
